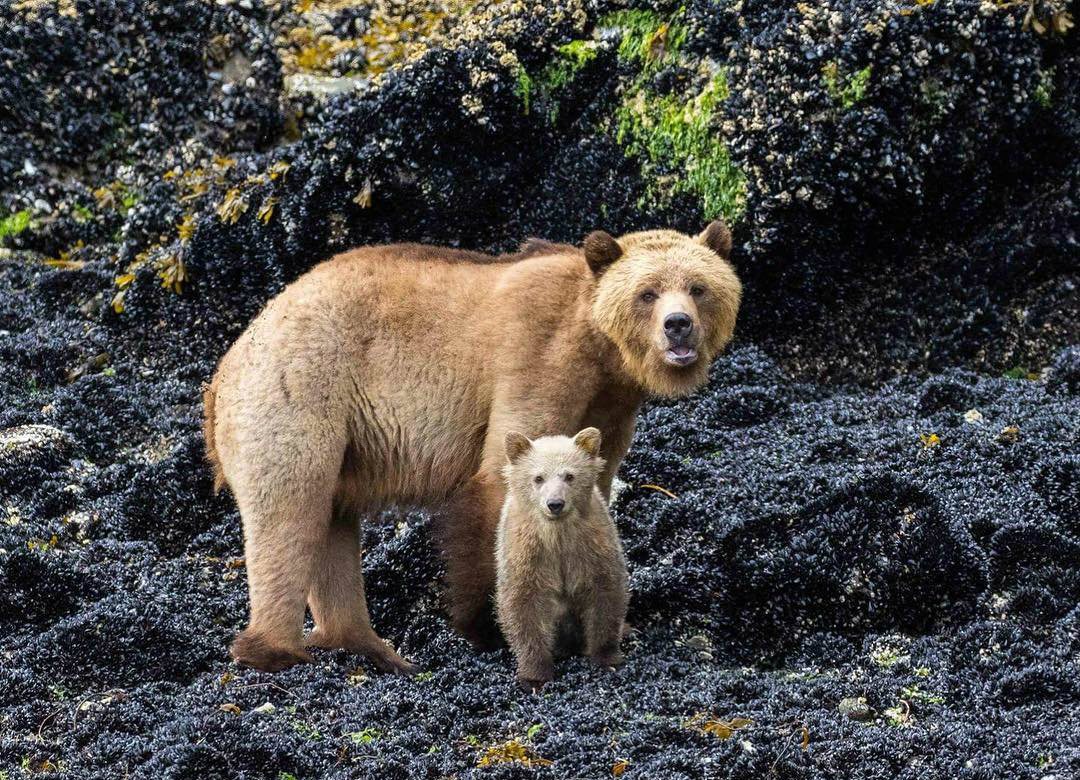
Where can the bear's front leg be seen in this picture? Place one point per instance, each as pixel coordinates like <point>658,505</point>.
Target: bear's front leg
<point>466,532</point>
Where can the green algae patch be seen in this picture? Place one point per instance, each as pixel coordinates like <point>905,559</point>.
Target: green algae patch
<point>524,86</point>
<point>845,90</point>
<point>1043,93</point>
<point>681,149</point>
<point>673,134</point>
<point>647,37</point>
<point>569,60</point>
<point>14,224</point>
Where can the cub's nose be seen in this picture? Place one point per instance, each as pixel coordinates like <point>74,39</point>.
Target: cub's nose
<point>678,325</point>
<point>555,505</point>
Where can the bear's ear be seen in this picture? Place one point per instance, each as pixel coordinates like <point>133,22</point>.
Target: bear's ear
<point>589,440</point>
<point>601,250</point>
<point>517,444</point>
<point>717,237</point>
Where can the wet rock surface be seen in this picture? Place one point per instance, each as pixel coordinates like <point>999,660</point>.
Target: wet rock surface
<point>871,510</point>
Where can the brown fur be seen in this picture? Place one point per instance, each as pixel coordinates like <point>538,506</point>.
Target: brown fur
<point>554,568</point>
<point>390,374</point>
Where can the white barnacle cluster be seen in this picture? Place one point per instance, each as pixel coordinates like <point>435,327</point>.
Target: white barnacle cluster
<point>487,28</point>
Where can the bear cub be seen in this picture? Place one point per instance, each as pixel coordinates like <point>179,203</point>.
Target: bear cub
<point>559,562</point>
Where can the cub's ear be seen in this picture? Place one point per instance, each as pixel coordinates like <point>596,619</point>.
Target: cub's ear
<point>589,440</point>
<point>517,444</point>
<point>601,250</point>
<point>717,237</point>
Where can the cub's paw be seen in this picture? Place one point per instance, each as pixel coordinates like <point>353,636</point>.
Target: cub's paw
<point>256,651</point>
<point>609,659</point>
<point>532,684</point>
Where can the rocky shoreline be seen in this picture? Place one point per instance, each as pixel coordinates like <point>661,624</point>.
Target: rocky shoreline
<point>866,557</point>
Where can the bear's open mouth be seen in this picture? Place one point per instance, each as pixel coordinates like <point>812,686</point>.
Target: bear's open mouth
<point>681,355</point>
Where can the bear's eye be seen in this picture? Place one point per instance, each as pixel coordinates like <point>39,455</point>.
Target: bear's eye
<point>697,291</point>
<point>538,480</point>
<point>649,296</point>
<point>568,478</point>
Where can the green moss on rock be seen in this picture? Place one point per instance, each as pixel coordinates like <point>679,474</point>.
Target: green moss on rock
<point>569,60</point>
<point>14,223</point>
<point>845,90</point>
<point>682,150</point>
<point>647,37</point>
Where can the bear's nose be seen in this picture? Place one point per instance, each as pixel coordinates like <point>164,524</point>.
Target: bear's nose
<point>555,505</point>
<point>678,324</point>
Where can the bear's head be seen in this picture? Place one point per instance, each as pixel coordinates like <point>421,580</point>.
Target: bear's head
<point>668,301</point>
<point>553,476</point>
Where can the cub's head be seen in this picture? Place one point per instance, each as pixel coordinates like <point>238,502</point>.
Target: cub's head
<point>554,475</point>
<point>667,300</point>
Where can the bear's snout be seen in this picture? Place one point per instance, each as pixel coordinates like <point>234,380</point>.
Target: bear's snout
<point>555,506</point>
<point>682,338</point>
<point>678,325</point>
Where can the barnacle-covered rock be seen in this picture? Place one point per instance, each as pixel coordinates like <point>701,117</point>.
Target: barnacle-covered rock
<point>26,447</point>
<point>876,109</point>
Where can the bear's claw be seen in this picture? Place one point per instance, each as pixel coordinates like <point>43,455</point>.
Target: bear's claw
<point>377,650</point>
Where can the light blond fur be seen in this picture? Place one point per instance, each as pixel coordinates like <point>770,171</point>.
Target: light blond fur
<point>390,375</point>
<point>554,569</point>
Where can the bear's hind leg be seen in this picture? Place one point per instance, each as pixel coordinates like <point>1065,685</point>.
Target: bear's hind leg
<point>339,604</point>
<point>280,548</point>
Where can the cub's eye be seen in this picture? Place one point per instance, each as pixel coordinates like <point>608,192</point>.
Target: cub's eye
<point>697,291</point>
<point>648,296</point>
<point>538,480</point>
<point>568,478</point>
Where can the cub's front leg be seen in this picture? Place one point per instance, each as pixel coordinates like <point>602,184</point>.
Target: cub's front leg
<point>528,617</point>
<point>603,618</point>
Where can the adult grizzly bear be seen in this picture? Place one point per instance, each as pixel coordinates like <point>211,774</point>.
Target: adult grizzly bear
<point>391,374</point>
